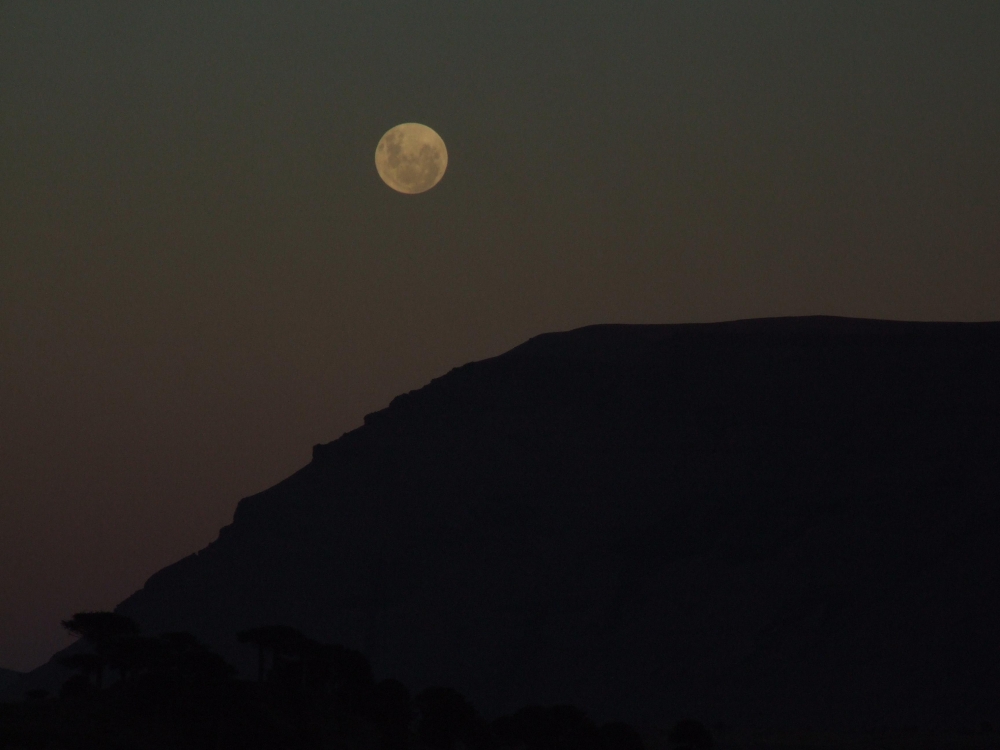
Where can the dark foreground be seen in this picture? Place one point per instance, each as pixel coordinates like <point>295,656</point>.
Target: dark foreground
<point>242,714</point>
<point>170,691</point>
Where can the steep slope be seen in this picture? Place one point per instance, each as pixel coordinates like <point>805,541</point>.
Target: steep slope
<point>783,521</point>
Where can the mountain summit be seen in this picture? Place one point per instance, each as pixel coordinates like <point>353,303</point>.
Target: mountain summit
<point>786,521</point>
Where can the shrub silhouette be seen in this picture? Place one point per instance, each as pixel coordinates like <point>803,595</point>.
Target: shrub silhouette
<point>447,718</point>
<point>548,728</point>
<point>691,734</point>
<point>618,735</point>
<point>391,709</point>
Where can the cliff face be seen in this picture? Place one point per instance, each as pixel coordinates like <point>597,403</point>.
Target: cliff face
<point>784,521</point>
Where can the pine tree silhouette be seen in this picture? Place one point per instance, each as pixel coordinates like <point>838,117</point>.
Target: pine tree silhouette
<point>101,630</point>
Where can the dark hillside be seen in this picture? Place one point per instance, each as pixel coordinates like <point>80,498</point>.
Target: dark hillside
<point>783,522</point>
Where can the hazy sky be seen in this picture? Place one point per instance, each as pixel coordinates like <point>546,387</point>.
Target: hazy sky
<point>201,274</point>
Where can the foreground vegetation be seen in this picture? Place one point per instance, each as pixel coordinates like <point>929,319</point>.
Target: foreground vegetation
<point>169,691</point>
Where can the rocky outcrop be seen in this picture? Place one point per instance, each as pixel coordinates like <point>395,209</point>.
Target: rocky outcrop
<point>771,522</point>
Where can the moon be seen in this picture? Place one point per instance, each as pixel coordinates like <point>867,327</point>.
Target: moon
<point>411,158</point>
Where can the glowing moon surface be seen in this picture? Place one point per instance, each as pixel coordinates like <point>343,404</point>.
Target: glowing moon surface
<point>411,158</point>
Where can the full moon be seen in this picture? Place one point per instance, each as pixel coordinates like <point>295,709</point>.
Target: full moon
<point>411,158</point>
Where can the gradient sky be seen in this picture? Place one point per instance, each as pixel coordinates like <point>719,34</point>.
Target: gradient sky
<point>201,274</point>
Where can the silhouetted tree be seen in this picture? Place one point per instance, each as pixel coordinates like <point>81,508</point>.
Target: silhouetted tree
<point>253,638</point>
<point>132,654</point>
<point>691,734</point>
<point>183,657</point>
<point>101,630</point>
<point>278,641</point>
<point>176,693</point>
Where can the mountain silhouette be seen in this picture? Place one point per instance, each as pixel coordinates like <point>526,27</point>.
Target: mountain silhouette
<point>775,522</point>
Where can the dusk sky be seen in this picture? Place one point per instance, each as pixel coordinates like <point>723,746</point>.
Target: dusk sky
<point>202,275</point>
